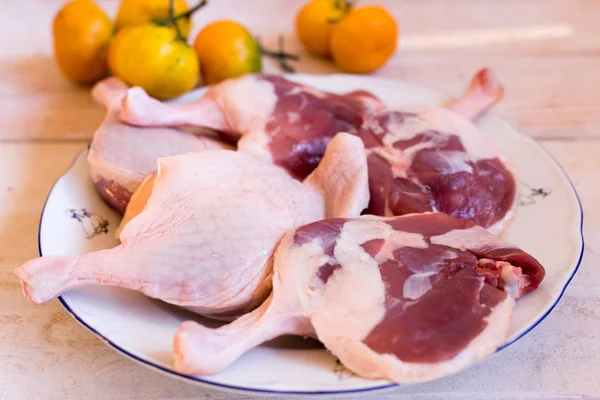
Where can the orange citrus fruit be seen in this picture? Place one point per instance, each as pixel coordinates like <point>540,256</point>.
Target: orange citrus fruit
<point>152,57</point>
<point>136,12</point>
<point>226,50</point>
<point>81,31</point>
<point>364,40</point>
<point>315,22</point>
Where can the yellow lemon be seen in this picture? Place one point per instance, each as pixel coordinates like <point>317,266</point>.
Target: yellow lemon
<point>81,31</point>
<point>315,22</point>
<point>136,12</point>
<point>152,57</point>
<point>364,40</point>
<point>226,50</point>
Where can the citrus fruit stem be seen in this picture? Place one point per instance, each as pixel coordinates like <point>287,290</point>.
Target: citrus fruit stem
<point>343,5</point>
<point>172,19</point>
<point>192,10</point>
<point>280,55</point>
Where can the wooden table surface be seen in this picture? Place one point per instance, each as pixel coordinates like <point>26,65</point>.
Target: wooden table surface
<point>548,54</point>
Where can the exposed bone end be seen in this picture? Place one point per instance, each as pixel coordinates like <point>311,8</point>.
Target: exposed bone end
<point>198,350</point>
<point>44,278</point>
<point>109,92</point>
<point>138,107</point>
<point>484,91</point>
<point>488,82</point>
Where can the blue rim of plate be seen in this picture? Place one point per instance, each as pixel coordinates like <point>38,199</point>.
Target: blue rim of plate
<point>195,379</point>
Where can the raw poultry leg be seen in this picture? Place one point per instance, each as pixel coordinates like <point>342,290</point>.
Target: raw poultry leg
<point>278,120</point>
<point>207,231</point>
<point>121,155</point>
<point>431,159</point>
<point>484,91</point>
<point>407,298</point>
<point>340,179</point>
<point>285,122</point>
<point>420,159</point>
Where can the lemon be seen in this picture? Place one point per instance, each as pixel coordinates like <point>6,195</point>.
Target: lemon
<point>226,50</point>
<point>81,31</point>
<point>152,57</point>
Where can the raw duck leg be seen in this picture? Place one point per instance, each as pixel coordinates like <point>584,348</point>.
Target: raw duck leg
<point>407,298</point>
<point>285,122</point>
<point>431,159</point>
<point>207,227</point>
<point>278,120</point>
<point>420,159</point>
<point>484,91</point>
<point>121,155</point>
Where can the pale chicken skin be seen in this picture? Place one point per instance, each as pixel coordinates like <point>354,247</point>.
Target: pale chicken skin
<point>430,159</point>
<point>204,237</point>
<point>275,119</point>
<point>407,298</point>
<point>121,155</point>
<point>420,158</point>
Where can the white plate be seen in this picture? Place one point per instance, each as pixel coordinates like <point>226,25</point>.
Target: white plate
<point>548,227</point>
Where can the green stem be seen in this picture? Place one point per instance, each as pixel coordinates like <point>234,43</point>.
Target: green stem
<point>192,10</point>
<point>280,55</point>
<point>345,6</point>
<point>277,54</point>
<point>174,21</point>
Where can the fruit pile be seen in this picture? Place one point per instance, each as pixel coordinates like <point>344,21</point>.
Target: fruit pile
<point>358,40</point>
<point>147,46</point>
<point>147,43</point>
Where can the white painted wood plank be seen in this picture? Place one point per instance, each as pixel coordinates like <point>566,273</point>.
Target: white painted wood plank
<point>552,80</point>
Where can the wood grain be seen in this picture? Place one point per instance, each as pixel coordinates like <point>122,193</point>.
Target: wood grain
<point>552,83</point>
